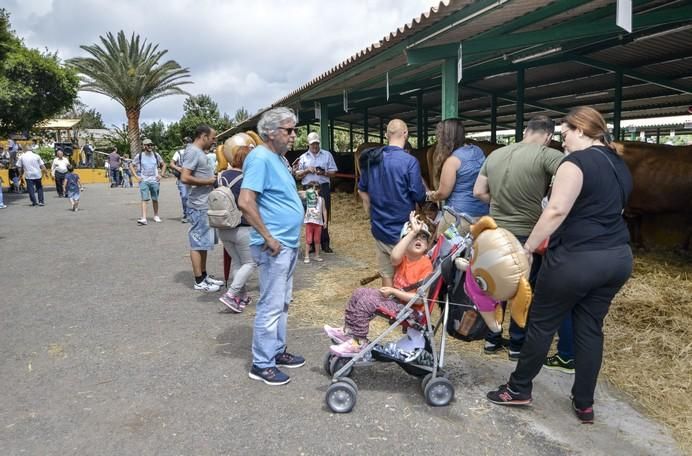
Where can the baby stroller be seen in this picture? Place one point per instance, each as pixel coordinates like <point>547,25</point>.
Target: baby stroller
<point>417,353</point>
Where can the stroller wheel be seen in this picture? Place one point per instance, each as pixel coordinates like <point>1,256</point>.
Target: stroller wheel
<point>337,363</point>
<point>341,397</point>
<point>439,392</point>
<point>327,362</point>
<point>424,381</point>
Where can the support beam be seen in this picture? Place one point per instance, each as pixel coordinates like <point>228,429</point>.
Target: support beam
<point>419,118</point>
<point>450,89</point>
<point>508,97</point>
<point>426,122</point>
<point>633,74</point>
<point>493,118</point>
<point>519,122</point>
<point>324,124</point>
<point>617,104</point>
<point>332,144</point>
<point>350,136</point>
<point>366,125</point>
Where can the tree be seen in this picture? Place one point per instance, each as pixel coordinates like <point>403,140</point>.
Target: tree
<point>241,115</point>
<point>33,85</point>
<point>201,109</point>
<point>130,72</point>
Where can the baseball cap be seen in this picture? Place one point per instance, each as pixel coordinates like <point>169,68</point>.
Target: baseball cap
<point>147,141</point>
<point>313,138</point>
<point>407,227</point>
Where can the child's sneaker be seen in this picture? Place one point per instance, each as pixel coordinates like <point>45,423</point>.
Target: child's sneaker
<point>336,334</point>
<point>232,303</point>
<point>347,348</point>
<point>142,221</point>
<point>271,375</point>
<point>585,415</point>
<point>557,363</point>
<point>157,219</point>
<point>244,302</point>
<point>505,396</point>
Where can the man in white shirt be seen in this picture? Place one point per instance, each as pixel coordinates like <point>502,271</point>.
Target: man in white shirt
<point>58,170</point>
<point>33,168</point>
<point>145,166</point>
<point>318,165</point>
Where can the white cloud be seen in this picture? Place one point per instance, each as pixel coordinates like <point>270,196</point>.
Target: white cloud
<point>241,53</point>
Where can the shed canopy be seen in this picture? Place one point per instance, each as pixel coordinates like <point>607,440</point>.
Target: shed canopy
<point>57,124</point>
<point>518,59</point>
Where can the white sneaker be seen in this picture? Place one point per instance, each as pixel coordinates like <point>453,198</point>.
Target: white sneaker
<point>142,221</point>
<point>210,279</point>
<point>157,219</point>
<point>206,286</point>
<point>2,206</point>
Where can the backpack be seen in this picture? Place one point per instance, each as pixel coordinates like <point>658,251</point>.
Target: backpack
<point>223,211</point>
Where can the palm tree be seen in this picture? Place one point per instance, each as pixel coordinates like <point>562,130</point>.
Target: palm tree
<point>130,73</point>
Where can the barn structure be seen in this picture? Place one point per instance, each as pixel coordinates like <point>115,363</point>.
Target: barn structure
<point>496,63</point>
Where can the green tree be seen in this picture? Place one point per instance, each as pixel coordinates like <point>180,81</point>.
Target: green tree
<point>132,73</point>
<point>201,109</point>
<point>33,85</point>
<point>241,115</point>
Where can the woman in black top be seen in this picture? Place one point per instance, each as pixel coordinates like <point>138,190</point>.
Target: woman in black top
<point>587,262</point>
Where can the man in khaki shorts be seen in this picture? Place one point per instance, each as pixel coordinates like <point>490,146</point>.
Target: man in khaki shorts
<point>390,186</point>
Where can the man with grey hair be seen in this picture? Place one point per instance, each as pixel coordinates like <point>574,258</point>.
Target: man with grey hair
<point>270,203</point>
<point>514,179</point>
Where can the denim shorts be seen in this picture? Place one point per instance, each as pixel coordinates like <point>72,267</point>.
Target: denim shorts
<point>200,235</point>
<point>149,190</point>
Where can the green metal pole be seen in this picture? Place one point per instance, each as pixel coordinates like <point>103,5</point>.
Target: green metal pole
<point>324,124</point>
<point>419,120</point>
<point>450,89</point>
<point>381,130</point>
<point>493,118</point>
<point>331,135</point>
<point>426,121</point>
<point>366,125</point>
<point>617,104</point>
<point>350,136</point>
<point>658,135</point>
<point>519,123</point>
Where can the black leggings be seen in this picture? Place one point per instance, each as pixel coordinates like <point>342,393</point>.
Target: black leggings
<point>583,283</point>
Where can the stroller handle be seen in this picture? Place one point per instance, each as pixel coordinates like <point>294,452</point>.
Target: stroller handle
<point>458,215</point>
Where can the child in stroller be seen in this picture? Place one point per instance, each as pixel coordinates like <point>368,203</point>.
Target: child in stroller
<point>412,267</point>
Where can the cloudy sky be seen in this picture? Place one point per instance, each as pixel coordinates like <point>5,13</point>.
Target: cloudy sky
<point>242,53</point>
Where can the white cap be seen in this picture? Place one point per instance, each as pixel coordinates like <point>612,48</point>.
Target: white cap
<point>313,138</point>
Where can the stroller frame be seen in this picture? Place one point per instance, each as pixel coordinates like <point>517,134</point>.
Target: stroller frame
<point>438,390</point>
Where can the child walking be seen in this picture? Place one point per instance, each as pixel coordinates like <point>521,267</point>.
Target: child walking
<point>411,264</point>
<point>71,187</point>
<point>315,219</point>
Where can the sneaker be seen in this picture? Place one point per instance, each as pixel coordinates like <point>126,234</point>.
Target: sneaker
<point>585,415</point>
<point>2,206</point>
<point>327,250</point>
<point>244,302</point>
<point>350,347</point>
<point>556,362</point>
<point>233,303</point>
<point>288,360</point>
<point>271,376</point>
<point>213,280</point>
<point>206,286</point>
<point>142,221</point>
<point>183,220</point>
<point>513,355</point>
<point>505,396</point>
<point>41,204</point>
<point>336,334</point>
<point>157,219</point>
<point>491,348</point>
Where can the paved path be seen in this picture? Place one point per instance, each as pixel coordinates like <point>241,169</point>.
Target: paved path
<point>106,350</point>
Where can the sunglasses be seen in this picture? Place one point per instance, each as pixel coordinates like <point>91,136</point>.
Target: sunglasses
<point>289,130</point>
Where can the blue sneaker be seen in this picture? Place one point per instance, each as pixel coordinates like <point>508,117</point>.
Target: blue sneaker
<point>271,376</point>
<point>288,360</point>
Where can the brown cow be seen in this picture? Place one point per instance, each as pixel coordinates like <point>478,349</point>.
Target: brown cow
<point>662,178</point>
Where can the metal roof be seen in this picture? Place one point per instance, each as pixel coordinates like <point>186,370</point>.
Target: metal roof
<point>57,124</point>
<point>569,52</point>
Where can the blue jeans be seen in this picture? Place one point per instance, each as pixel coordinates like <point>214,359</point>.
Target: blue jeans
<point>183,190</point>
<point>276,289</point>
<point>35,186</point>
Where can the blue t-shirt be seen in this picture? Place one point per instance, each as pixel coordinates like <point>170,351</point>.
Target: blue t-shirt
<point>395,185</point>
<point>277,198</point>
<point>461,199</point>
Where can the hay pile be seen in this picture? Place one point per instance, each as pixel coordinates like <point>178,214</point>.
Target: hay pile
<point>648,332</point>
